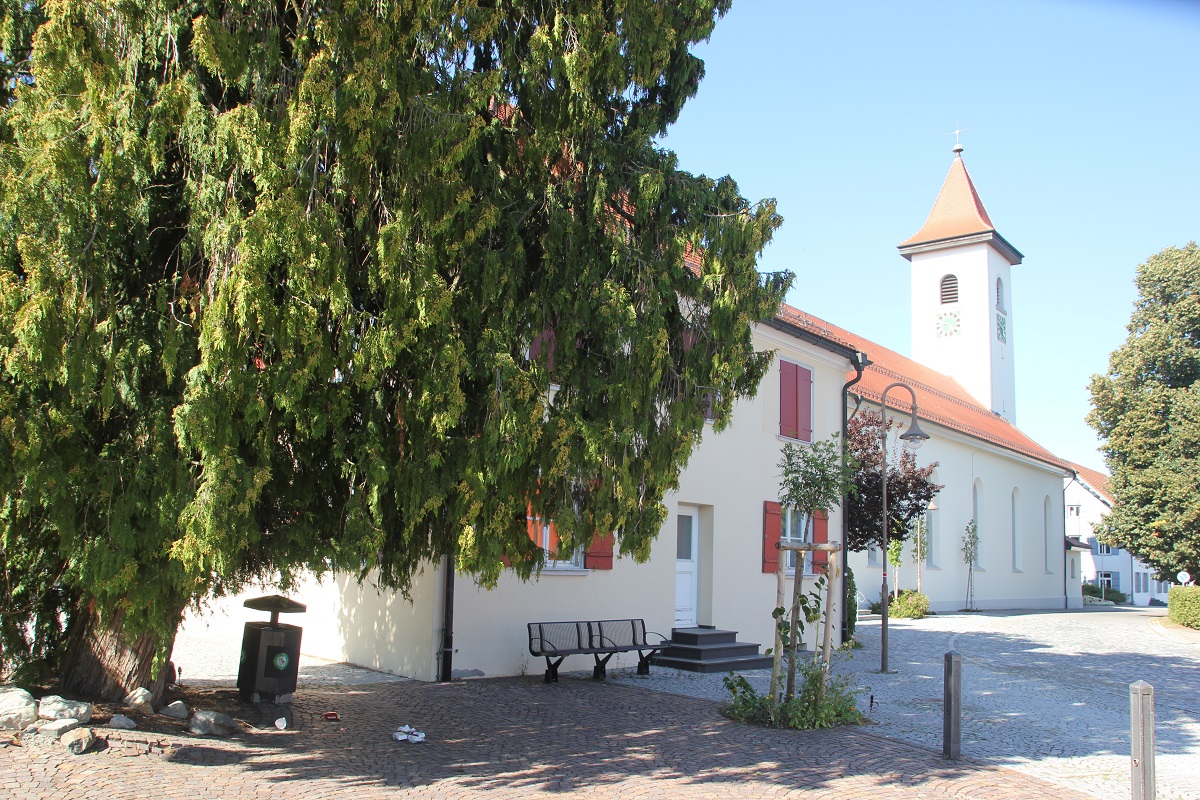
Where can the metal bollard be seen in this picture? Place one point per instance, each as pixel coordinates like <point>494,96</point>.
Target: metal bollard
<point>952,706</point>
<point>1141,730</point>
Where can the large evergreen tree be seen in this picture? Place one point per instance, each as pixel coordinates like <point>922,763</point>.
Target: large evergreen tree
<point>289,285</point>
<point>1147,412</point>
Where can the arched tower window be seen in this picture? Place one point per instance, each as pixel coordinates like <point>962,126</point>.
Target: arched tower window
<point>949,289</point>
<point>1000,295</point>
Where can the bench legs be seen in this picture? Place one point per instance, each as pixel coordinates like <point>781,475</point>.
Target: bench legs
<point>552,669</point>
<point>643,667</point>
<point>600,671</point>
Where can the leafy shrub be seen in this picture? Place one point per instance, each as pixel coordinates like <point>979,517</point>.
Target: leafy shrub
<point>910,604</point>
<point>1183,606</point>
<point>1093,590</point>
<point>822,701</point>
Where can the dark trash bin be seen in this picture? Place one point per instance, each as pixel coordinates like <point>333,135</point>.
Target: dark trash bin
<point>270,652</point>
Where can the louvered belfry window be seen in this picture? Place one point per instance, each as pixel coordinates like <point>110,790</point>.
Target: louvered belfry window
<point>949,289</point>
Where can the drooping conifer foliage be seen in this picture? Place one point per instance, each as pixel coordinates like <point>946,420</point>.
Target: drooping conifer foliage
<point>346,284</point>
<point>1146,410</point>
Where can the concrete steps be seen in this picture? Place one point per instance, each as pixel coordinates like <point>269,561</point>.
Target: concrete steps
<point>710,650</point>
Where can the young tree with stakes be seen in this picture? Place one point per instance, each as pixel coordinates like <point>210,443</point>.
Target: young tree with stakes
<point>814,480</point>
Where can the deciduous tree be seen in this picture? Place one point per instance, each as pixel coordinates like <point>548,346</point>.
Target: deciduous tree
<point>909,488</point>
<point>345,285</point>
<point>1146,409</point>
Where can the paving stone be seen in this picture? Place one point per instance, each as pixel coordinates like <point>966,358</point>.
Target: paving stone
<point>517,737</point>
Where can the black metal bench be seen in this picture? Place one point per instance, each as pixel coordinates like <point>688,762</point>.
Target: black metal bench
<point>554,641</point>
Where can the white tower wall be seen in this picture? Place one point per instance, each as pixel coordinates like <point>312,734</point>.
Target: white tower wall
<point>960,339</point>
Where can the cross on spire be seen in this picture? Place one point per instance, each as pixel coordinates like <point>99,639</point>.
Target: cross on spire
<point>958,148</point>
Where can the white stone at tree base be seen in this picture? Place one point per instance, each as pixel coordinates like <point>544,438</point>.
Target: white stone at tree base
<point>121,721</point>
<point>56,728</point>
<point>54,707</point>
<point>78,741</point>
<point>214,723</point>
<point>140,700</point>
<point>177,710</point>
<point>17,708</point>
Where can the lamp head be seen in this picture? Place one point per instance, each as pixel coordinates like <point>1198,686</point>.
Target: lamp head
<point>914,436</point>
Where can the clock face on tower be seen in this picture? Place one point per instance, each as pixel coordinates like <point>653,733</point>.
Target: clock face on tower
<point>947,324</point>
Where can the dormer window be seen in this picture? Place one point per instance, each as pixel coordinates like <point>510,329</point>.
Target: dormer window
<point>949,289</point>
<point>1000,296</point>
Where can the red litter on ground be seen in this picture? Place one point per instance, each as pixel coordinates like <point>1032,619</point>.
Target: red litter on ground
<point>332,715</point>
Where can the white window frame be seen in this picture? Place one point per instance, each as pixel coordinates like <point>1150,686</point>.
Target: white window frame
<point>792,521</point>
<point>1106,550</point>
<point>575,562</point>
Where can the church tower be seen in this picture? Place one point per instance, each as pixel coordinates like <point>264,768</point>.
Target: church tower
<point>961,300</point>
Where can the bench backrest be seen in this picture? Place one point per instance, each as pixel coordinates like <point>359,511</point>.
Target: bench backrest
<point>557,637</point>
<point>617,633</point>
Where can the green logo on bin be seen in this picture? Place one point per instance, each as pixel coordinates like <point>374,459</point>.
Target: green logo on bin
<point>280,661</point>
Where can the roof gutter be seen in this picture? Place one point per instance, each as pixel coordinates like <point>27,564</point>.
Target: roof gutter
<point>849,353</point>
<point>1065,471</point>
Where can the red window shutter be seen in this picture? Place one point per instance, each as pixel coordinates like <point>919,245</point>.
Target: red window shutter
<point>789,409</point>
<point>820,536</point>
<point>542,346</point>
<point>804,404</point>
<point>772,530</point>
<point>599,554</point>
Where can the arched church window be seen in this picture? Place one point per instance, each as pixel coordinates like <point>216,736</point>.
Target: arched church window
<point>1000,295</point>
<point>949,289</point>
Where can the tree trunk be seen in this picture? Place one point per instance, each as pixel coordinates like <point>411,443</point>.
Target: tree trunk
<point>101,663</point>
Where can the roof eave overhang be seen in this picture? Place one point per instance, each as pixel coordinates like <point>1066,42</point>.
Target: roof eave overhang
<point>998,242</point>
<point>1059,467</point>
<point>849,353</point>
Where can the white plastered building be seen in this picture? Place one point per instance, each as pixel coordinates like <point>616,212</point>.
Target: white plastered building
<point>713,563</point>
<point>1088,500</point>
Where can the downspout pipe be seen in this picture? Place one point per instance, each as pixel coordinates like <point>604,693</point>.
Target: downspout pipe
<point>447,669</point>
<point>860,362</point>
<point>1066,550</point>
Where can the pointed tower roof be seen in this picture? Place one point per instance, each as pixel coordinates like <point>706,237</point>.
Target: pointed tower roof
<point>958,217</point>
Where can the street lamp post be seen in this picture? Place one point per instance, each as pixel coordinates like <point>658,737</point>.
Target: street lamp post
<point>912,438</point>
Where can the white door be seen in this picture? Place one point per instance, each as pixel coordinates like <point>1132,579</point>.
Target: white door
<point>687,567</point>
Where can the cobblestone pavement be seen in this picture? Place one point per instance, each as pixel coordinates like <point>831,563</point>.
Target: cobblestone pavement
<point>1046,693</point>
<point>509,738</point>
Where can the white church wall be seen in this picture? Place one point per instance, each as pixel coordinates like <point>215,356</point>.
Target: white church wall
<point>1034,580</point>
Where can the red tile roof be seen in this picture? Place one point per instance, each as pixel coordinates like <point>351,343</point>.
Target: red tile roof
<point>1096,480</point>
<point>957,212</point>
<point>940,399</point>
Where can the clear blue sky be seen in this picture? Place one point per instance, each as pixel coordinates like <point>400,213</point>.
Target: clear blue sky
<point>1082,136</point>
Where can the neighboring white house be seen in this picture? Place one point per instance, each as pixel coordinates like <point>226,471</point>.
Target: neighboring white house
<point>1087,501</point>
<point>714,561</point>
